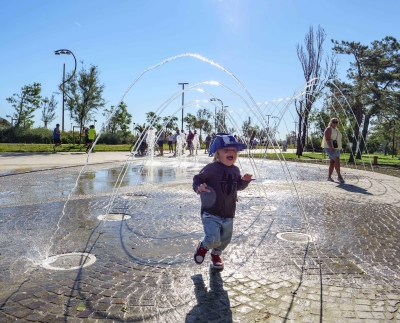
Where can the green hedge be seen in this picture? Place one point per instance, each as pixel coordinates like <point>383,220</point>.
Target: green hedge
<point>45,136</point>
<point>23,135</point>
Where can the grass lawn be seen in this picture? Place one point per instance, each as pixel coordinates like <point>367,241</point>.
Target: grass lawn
<point>36,148</point>
<point>386,164</point>
<point>344,157</point>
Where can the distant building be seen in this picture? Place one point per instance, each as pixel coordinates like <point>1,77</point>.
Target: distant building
<point>4,122</point>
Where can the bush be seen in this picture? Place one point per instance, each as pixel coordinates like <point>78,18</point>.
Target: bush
<point>45,136</point>
<point>373,145</point>
<point>23,135</point>
<point>110,139</point>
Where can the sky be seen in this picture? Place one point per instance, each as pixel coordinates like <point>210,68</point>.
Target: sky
<point>255,40</point>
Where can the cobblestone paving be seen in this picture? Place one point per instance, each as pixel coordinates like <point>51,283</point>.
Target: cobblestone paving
<point>144,270</point>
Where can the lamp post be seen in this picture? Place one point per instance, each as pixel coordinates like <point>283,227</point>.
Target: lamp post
<point>67,52</point>
<point>269,129</point>
<point>133,128</point>
<point>12,119</point>
<point>94,120</point>
<point>183,99</point>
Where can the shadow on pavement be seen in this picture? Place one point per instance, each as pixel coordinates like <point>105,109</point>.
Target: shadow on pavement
<point>211,305</point>
<point>354,189</point>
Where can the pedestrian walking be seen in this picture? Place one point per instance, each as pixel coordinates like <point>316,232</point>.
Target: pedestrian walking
<point>56,137</point>
<point>91,138</point>
<point>332,144</point>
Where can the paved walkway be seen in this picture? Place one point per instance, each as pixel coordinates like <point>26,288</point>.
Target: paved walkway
<point>143,271</point>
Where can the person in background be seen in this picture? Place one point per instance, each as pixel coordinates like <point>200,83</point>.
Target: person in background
<point>91,138</point>
<point>160,142</point>
<point>284,145</point>
<point>332,144</point>
<point>85,131</point>
<point>56,137</point>
<point>208,142</point>
<point>189,140</point>
<point>170,142</point>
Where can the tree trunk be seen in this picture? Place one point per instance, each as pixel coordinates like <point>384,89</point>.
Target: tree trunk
<point>299,148</point>
<point>386,148</point>
<point>304,134</point>
<point>356,132</point>
<point>363,136</point>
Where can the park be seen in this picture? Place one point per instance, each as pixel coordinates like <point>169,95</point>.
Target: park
<point>99,216</point>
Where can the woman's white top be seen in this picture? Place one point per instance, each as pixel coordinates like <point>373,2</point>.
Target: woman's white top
<point>335,135</point>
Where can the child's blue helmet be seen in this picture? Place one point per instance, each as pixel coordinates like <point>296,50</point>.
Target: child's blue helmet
<point>224,140</point>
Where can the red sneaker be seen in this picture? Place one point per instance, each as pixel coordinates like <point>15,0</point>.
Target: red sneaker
<point>200,254</point>
<point>217,261</point>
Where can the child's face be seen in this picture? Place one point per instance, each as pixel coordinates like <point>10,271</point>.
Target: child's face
<point>227,156</point>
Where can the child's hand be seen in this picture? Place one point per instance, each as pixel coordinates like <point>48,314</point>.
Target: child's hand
<point>247,177</point>
<point>202,188</point>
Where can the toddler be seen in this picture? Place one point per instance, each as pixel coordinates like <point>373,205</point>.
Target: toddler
<point>218,183</point>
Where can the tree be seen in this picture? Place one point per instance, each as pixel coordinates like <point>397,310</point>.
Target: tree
<point>84,94</point>
<point>120,121</point>
<point>203,123</point>
<point>375,80</point>
<point>140,128</point>
<point>316,75</point>
<point>248,129</point>
<point>153,119</point>
<point>48,110</point>
<point>25,104</point>
<point>170,123</point>
<point>190,121</point>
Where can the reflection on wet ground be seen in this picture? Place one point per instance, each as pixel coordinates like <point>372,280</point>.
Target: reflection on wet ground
<point>105,180</point>
<point>144,270</point>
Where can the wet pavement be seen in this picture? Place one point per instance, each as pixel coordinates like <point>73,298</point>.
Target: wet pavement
<point>143,269</point>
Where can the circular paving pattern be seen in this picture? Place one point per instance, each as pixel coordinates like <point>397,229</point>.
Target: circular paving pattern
<point>69,261</point>
<point>113,217</point>
<point>134,196</point>
<point>294,237</point>
<point>263,208</point>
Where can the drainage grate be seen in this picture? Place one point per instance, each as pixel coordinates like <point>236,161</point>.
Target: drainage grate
<point>263,208</point>
<point>134,196</point>
<point>69,261</point>
<point>113,217</point>
<point>294,237</point>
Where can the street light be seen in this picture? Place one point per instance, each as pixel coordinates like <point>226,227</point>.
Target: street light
<point>183,98</point>
<point>12,119</point>
<point>94,122</point>
<point>270,133</point>
<point>67,52</point>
